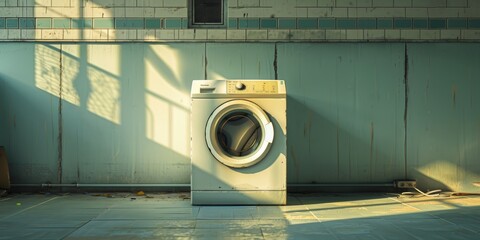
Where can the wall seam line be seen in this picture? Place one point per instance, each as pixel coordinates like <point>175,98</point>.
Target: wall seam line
<point>405,113</point>
<point>275,62</point>
<point>206,61</point>
<point>60,120</point>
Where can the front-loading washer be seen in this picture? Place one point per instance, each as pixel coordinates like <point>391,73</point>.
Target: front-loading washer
<point>239,130</point>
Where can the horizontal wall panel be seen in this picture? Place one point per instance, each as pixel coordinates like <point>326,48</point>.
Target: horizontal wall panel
<point>124,114</point>
<point>345,111</point>
<point>240,60</point>
<point>444,116</point>
<point>29,127</point>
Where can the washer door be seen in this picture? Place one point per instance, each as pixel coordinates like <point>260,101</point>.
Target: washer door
<point>239,133</point>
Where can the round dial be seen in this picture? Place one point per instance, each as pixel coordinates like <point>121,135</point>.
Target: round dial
<point>239,86</point>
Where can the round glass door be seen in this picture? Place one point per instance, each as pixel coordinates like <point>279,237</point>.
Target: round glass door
<point>239,133</point>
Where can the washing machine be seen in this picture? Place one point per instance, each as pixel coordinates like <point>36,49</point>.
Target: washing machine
<point>239,131</point>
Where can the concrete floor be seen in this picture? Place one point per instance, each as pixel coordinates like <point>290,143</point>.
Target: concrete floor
<point>170,216</point>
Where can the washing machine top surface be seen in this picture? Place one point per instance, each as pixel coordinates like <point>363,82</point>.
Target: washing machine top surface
<point>250,88</point>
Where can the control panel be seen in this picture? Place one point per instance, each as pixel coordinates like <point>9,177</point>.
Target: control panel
<point>252,87</point>
<point>238,88</point>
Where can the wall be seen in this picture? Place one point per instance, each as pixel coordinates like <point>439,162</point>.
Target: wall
<point>248,20</point>
<point>75,106</point>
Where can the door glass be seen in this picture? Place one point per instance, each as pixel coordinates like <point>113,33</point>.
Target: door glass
<point>239,134</point>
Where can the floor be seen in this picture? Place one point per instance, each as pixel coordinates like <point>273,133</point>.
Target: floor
<point>170,216</point>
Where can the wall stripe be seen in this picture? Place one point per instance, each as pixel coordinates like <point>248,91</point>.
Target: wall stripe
<point>242,23</point>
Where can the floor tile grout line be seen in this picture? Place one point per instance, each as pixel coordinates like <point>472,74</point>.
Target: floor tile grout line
<point>436,217</point>
<point>36,205</point>
<point>318,220</point>
<point>405,204</point>
<point>76,229</point>
<point>306,207</point>
<point>408,233</point>
<point>105,210</point>
<point>402,203</point>
<point>198,212</point>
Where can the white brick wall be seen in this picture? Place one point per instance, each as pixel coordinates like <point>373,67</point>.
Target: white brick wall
<point>149,3</point>
<point>457,3</point>
<point>380,12</point>
<point>11,12</point>
<point>326,3</point>
<point>444,12</point>
<point>416,12</point>
<point>236,34</point>
<point>240,9</point>
<point>429,3</point>
<point>14,34</point>
<point>216,34</point>
<point>315,34</point>
<point>346,3</point>
<point>247,3</point>
<point>364,3</point>
<point>11,3</point>
<point>402,3</point>
<point>474,3</point>
<point>171,12</point>
<point>306,3</point>
<point>61,3</point>
<point>146,34</point>
<point>278,34</point>
<point>335,34</point>
<point>327,12</point>
<point>471,34</point>
<point>354,34</point>
<point>450,34</point>
<point>256,34</point>
<point>175,3</point>
<point>374,34</point>
<point>429,34</point>
<point>382,3</point>
<point>391,34</point>
<point>410,34</point>
<point>165,34</point>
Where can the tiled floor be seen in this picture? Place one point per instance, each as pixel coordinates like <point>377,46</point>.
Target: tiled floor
<point>170,216</point>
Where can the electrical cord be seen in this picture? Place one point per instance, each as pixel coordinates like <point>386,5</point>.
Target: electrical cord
<point>438,193</point>
<point>420,193</point>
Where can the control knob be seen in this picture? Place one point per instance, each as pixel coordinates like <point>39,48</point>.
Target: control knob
<point>239,86</point>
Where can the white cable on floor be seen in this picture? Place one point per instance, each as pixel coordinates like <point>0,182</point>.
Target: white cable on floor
<point>420,193</point>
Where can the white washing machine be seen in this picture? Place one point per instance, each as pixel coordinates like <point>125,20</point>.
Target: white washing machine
<point>239,131</point>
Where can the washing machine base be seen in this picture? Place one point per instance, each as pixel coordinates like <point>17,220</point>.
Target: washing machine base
<point>239,197</point>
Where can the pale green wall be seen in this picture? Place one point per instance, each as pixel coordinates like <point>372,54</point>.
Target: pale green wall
<point>345,111</point>
<point>125,110</point>
<point>444,115</point>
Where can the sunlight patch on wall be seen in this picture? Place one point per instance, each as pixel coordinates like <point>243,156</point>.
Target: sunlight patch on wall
<point>444,172</point>
<point>215,76</point>
<point>47,72</point>
<point>70,71</point>
<point>167,107</point>
<point>103,71</point>
<point>58,68</point>
<point>170,58</point>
